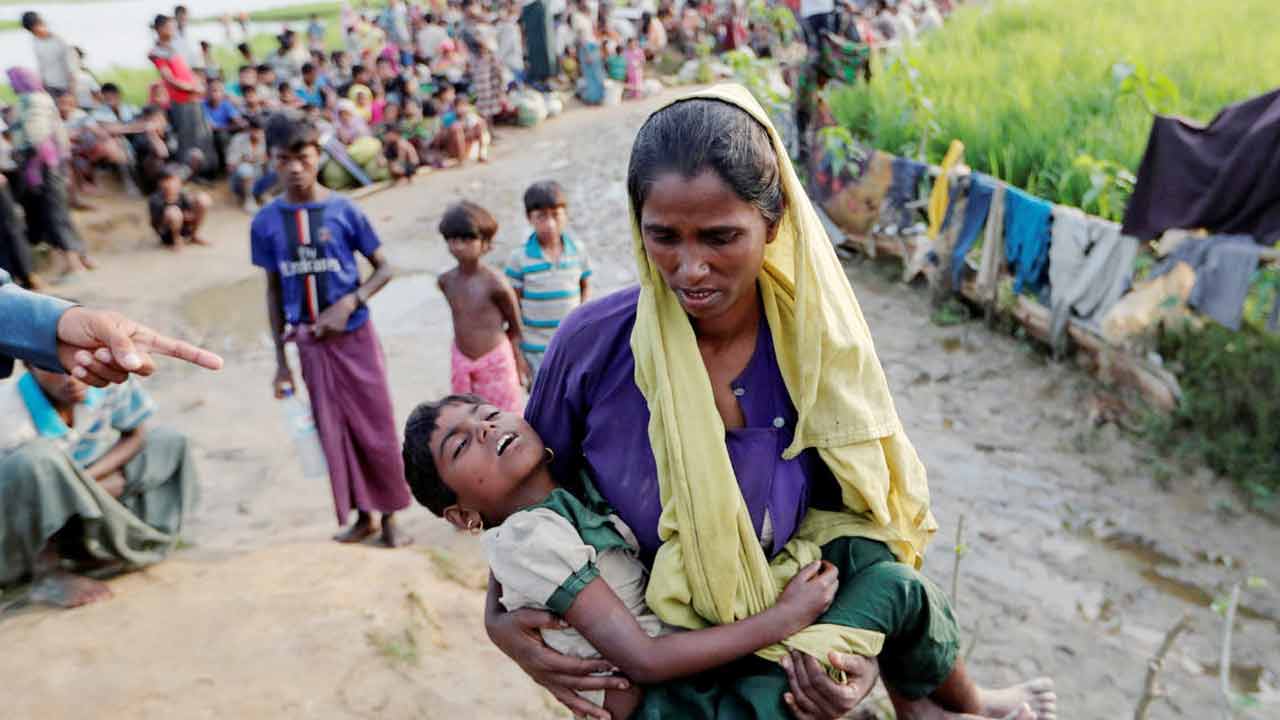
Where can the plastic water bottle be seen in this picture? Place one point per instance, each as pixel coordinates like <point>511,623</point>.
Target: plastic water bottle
<point>302,427</point>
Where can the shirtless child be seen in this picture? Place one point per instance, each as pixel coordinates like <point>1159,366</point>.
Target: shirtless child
<point>486,319</point>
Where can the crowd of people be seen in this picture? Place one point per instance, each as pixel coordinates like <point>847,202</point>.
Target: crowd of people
<point>395,88</point>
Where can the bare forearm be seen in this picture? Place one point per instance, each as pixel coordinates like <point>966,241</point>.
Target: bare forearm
<point>119,456</point>
<point>649,660</point>
<point>382,275</point>
<point>492,608</point>
<point>275,316</point>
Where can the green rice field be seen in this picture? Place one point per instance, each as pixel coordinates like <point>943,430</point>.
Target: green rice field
<point>1031,85</point>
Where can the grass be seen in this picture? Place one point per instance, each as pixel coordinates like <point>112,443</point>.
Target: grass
<point>1228,417</point>
<point>134,81</point>
<point>292,13</point>
<point>1029,85</point>
<point>10,25</point>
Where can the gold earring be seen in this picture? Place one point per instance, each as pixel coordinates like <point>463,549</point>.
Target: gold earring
<point>550,455</point>
<point>475,527</point>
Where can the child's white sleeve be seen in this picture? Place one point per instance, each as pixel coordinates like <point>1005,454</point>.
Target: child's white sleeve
<point>540,560</point>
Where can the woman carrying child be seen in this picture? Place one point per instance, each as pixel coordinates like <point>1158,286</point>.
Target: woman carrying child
<point>737,391</point>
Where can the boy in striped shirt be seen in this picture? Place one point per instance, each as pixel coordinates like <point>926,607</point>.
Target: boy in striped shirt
<point>549,271</point>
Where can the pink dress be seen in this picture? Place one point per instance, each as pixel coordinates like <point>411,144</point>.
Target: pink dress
<point>635,70</point>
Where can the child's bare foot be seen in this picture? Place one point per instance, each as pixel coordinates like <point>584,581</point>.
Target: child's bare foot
<point>391,535</point>
<point>359,532</point>
<point>65,590</point>
<point>1038,695</point>
<point>87,262</point>
<point>200,240</point>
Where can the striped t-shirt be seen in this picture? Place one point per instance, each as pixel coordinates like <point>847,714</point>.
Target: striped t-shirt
<point>548,291</point>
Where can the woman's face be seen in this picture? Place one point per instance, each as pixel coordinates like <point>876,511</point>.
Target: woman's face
<point>706,241</point>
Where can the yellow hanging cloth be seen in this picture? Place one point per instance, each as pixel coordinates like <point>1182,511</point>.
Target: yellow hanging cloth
<point>711,568</point>
<point>939,196</point>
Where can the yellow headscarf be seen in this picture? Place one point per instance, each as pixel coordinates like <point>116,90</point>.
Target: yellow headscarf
<point>711,568</point>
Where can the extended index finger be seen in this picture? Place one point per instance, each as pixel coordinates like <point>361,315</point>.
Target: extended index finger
<point>151,341</point>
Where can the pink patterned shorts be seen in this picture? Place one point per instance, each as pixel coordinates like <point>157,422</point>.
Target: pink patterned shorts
<point>493,377</point>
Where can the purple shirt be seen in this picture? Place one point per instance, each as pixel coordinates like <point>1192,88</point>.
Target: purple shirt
<point>587,408</point>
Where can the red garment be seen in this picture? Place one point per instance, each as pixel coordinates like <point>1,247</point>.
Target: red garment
<point>168,58</point>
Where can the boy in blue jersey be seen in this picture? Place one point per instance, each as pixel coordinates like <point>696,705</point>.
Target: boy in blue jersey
<point>549,270</point>
<point>307,241</point>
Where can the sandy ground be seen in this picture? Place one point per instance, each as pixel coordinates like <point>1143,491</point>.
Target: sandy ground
<point>1076,559</point>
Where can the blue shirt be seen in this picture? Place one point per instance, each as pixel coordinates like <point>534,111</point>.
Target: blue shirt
<point>99,422</point>
<point>313,98</point>
<point>28,327</point>
<point>313,248</point>
<point>220,117</point>
<point>548,291</point>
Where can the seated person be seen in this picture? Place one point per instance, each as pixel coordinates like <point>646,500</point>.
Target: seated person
<point>311,89</point>
<point>247,76</point>
<point>177,215</point>
<point>289,100</point>
<point>252,105</point>
<point>224,118</point>
<point>267,84</point>
<point>398,155</point>
<point>157,147</point>
<point>485,470</point>
<point>85,482</point>
<point>420,129</point>
<point>113,109</point>
<point>92,145</point>
<point>247,162</point>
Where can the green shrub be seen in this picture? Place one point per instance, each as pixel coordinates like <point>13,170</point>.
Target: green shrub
<point>1031,85</point>
<point>1230,410</point>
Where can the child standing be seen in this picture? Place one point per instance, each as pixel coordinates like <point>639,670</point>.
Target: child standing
<point>634,57</point>
<point>549,271</point>
<point>486,323</point>
<point>307,241</point>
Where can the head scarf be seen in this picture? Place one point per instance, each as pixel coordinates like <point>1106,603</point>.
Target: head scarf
<point>711,568</point>
<point>24,80</point>
<point>39,129</point>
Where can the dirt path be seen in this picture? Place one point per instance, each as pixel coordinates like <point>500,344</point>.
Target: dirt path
<point>1077,558</point>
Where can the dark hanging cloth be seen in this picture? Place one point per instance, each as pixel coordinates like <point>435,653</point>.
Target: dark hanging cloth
<point>15,252</point>
<point>1224,177</point>
<point>539,34</point>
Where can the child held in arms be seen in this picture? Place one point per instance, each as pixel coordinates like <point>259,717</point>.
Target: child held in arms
<point>486,360</point>
<point>487,471</point>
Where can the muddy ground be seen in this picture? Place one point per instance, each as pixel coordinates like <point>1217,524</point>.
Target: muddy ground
<point>1081,549</point>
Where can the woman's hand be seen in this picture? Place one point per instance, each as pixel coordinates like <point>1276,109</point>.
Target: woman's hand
<point>815,696</point>
<point>516,635</point>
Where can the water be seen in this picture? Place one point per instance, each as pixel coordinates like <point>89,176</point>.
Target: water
<point>119,32</point>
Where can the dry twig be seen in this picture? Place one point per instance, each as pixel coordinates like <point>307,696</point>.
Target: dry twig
<point>1224,662</point>
<point>1155,665</point>
<point>955,569</point>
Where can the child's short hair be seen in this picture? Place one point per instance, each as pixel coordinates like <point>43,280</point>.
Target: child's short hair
<point>545,195</point>
<point>467,219</point>
<point>172,170</point>
<point>290,132</point>
<point>420,469</point>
